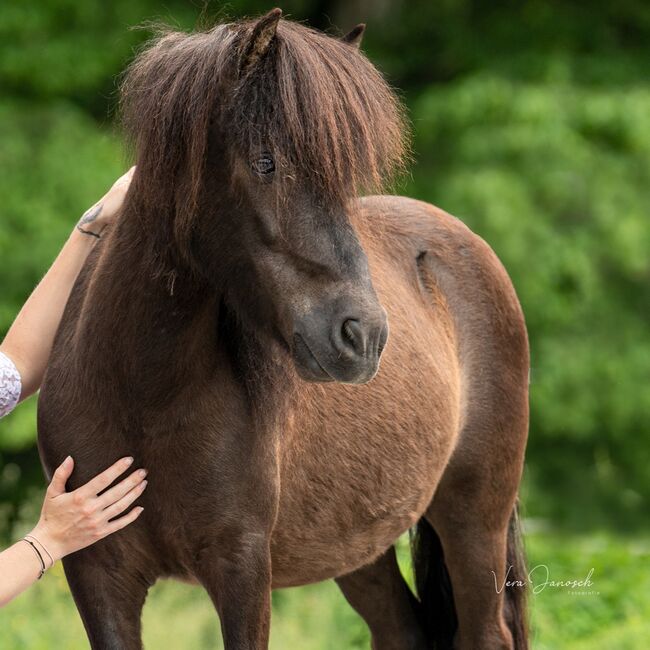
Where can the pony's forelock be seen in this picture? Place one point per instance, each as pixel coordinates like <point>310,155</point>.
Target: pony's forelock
<point>324,110</point>
<point>315,102</point>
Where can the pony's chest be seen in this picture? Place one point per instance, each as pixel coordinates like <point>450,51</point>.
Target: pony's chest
<point>360,469</point>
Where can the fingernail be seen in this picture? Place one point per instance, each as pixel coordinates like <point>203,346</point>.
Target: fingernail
<point>144,484</point>
<point>142,472</point>
<point>128,460</point>
<point>67,459</point>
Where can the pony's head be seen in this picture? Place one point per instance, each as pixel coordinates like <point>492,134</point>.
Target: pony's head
<point>252,140</point>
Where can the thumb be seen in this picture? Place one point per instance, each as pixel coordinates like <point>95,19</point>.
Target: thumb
<point>61,475</point>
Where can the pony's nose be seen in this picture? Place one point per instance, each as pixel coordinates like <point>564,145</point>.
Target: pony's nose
<point>355,340</point>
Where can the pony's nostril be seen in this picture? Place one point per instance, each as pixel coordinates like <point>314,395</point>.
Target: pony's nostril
<point>383,339</point>
<point>353,336</point>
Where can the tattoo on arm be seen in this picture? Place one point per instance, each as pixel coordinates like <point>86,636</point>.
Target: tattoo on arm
<point>88,217</point>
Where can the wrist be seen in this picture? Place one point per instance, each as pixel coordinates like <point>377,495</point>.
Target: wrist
<point>87,232</point>
<point>82,238</point>
<point>47,542</point>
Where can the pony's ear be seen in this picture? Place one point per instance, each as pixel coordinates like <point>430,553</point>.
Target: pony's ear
<point>355,36</point>
<point>259,40</point>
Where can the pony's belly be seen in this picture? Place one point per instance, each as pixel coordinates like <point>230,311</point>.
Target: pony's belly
<point>349,530</point>
<point>305,560</point>
<point>351,490</point>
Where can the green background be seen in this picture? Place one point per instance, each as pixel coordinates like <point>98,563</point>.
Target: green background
<point>531,122</point>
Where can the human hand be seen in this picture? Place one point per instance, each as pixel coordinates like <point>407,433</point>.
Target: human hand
<point>71,521</point>
<point>95,219</point>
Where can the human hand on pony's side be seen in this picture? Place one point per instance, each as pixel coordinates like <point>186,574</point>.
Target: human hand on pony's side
<point>102,213</point>
<point>71,521</point>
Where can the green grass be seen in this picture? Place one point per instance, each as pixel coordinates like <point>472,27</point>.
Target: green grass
<point>615,614</point>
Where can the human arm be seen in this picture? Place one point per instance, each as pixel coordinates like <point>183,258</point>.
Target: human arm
<point>69,522</point>
<point>29,340</point>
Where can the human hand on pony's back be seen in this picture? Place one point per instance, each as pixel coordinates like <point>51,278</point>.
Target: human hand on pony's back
<point>73,520</point>
<point>102,213</point>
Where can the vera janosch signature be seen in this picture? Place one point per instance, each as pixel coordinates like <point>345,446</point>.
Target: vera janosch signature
<point>539,578</point>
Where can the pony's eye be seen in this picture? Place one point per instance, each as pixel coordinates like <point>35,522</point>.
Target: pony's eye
<point>264,165</point>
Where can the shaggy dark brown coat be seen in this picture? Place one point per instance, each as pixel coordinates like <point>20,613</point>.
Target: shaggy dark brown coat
<point>226,333</point>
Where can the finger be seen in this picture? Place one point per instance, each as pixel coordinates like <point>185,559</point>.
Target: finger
<point>125,179</point>
<point>61,475</point>
<point>118,491</point>
<point>103,480</point>
<point>122,504</point>
<point>120,523</point>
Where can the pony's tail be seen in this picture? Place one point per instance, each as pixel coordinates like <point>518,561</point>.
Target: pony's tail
<point>516,595</point>
<point>433,587</point>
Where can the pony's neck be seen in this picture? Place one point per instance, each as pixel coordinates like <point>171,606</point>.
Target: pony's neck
<point>162,329</point>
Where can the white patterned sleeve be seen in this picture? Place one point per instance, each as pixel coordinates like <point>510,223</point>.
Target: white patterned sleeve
<point>10,385</point>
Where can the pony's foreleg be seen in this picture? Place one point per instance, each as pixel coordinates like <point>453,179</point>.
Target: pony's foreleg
<point>109,592</point>
<point>382,598</point>
<point>237,575</point>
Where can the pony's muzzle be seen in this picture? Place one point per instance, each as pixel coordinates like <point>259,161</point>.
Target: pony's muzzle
<point>350,354</point>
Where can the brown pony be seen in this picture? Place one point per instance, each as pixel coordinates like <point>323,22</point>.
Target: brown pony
<point>225,333</point>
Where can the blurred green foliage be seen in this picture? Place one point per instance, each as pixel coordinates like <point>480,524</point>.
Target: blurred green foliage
<point>531,123</point>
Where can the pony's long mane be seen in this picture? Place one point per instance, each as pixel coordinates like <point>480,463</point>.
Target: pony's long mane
<point>316,102</point>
